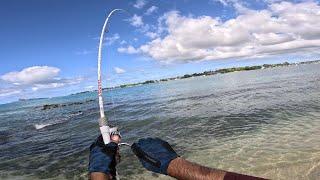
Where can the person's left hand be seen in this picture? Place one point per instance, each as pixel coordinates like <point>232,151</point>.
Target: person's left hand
<point>104,158</point>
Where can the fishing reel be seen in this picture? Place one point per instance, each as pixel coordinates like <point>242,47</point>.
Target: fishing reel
<point>108,132</point>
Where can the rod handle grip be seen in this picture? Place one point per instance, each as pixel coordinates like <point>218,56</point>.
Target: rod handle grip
<point>105,132</point>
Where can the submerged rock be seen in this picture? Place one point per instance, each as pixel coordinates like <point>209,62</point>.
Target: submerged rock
<point>52,106</point>
<point>49,106</point>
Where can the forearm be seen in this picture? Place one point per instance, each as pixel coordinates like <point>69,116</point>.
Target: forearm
<point>183,169</point>
<point>99,176</point>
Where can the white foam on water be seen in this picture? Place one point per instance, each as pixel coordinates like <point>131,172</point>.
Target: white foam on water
<point>40,126</point>
<point>62,120</point>
<point>75,114</point>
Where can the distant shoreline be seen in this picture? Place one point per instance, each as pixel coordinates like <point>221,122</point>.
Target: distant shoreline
<point>205,73</point>
<point>210,73</point>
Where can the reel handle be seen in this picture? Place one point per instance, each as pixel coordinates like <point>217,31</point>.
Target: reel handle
<point>124,144</point>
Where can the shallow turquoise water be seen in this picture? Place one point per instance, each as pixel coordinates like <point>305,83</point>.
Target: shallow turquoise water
<point>264,123</point>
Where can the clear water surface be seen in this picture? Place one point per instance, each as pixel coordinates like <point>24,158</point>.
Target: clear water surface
<point>263,123</point>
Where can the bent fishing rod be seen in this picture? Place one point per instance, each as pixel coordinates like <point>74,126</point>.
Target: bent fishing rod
<point>105,129</point>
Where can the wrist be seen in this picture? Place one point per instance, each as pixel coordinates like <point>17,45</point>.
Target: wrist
<point>100,176</point>
<point>173,166</point>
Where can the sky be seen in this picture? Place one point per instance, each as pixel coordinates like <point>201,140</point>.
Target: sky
<point>49,47</point>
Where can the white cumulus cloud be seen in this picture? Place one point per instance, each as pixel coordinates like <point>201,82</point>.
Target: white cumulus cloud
<point>119,70</point>
<point>35,78</point>
<point>109,40</point>
<point>151,10</point>
<point>129,50</point>
<point>229,2</point>
<point>123,42</point>
<point>283,27</point>
<point>223,2</point>
<point>37,87</point>
<point>57,83</point>
<point>151,35</point>
<point>9,92</point>
<point>32,75</point>
<point>136,21</point>
<point>139,4</point>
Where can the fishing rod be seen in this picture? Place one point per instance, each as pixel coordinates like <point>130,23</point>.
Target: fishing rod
<point>105,129</point>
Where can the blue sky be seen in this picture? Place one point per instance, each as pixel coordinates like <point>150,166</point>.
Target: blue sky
<point>49,48</point>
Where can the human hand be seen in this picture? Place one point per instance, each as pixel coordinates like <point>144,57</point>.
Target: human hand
<point>104,158</point>
<point>154,154</point>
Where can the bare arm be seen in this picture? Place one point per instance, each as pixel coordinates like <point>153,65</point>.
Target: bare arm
<point>158,156</point>
<point>183,169</point>
<point>99,176</point>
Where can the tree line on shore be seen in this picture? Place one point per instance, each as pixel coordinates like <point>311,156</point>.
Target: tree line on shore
<point>219,71</point>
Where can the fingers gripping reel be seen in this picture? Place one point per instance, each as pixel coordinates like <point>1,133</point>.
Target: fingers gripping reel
<point>115,131</point>
<point>107,132</point>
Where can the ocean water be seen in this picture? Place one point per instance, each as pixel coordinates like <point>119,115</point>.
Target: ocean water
<point>264,123</point>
